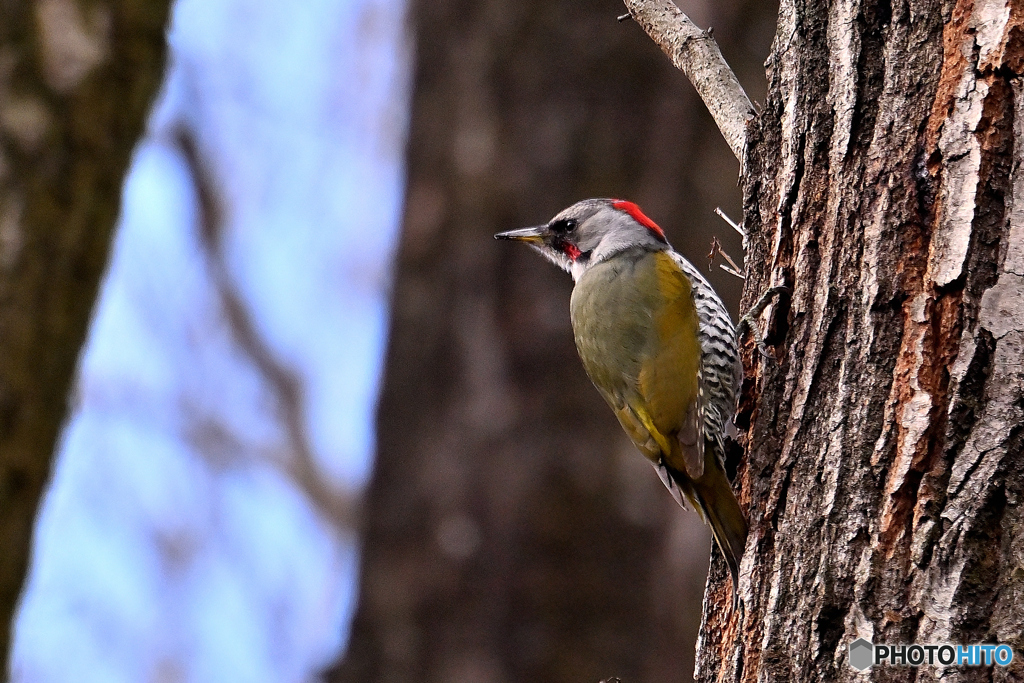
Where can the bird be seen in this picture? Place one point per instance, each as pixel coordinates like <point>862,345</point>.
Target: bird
<point>658,343</point>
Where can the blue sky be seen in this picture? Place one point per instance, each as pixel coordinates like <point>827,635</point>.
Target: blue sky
<point>174,545</point>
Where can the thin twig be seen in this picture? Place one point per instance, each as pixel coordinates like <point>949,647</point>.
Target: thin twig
<point>733,224</point>
<point>696,54</point>
<point>732,264</point>
<point>732,268</point>
<point>732,271</point>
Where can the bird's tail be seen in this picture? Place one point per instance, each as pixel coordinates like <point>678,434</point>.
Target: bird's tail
<point>714,498</point>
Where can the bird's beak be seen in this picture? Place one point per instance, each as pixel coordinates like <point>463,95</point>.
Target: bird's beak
<point>532,235</point>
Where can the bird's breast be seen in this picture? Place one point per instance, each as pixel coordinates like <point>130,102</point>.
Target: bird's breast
<point>614,307</point>
<point>636,330</point>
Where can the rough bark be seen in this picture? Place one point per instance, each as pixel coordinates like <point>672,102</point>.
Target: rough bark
<point>511,531</point>
<point>884,185</point>
<point>76,81</point>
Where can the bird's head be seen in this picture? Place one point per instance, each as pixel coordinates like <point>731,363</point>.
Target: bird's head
<point>590,231</point>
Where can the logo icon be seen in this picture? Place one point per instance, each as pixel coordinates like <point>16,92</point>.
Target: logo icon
<point>862,654</point>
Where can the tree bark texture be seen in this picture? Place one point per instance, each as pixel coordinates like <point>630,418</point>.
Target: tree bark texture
<point>76,82</point>
<point>511,531</point>
<point>884,453</point>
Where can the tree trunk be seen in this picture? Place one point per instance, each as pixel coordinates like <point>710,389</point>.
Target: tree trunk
<point>76,82</point>
<point>512,533</point>
<point>884,185</point>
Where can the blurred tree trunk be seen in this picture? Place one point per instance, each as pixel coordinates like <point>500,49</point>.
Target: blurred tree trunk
<point>511,531</point>
<point>885,184</point>
<point>76,82</point>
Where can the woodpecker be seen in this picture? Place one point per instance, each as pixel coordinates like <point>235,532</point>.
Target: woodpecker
<point>660,347</point>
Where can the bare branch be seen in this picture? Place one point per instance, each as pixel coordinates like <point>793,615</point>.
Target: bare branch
<point>339,506</point>
<point>696,54</point>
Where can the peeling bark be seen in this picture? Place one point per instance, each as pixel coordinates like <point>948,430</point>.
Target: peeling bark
<point>884,184</point>
<point>76,82</point>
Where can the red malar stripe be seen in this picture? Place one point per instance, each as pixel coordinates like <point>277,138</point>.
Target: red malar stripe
<point>638,215</point>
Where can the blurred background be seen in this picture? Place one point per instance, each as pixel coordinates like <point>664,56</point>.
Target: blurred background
<point>324,426</point>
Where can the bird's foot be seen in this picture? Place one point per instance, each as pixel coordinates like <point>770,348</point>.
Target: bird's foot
<point>748,323</point>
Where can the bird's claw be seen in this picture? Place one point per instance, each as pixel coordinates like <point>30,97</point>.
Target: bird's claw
<point>763,349</point>
<point>748,322</point>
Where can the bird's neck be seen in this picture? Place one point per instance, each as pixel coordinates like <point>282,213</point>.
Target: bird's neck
<point>631,252</point>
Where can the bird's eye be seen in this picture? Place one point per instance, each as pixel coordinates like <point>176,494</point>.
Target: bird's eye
<point>563,226</point>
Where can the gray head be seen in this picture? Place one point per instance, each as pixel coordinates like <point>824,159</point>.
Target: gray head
<point>589,232</point>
